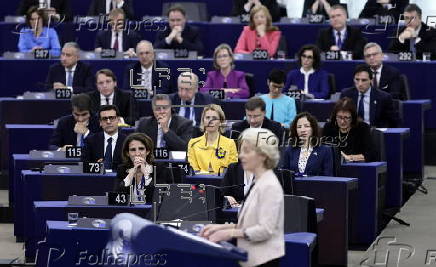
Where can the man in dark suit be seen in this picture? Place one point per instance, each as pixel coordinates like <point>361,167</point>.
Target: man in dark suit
<point>105,146</point>
<point>70,72</point>
<point>255,118</point>
<point>188,96</point>
<point>56,7</point>
<point>102,7</point>
<point>107,93</point>
<point>179,35</point>
<point>340,37</point>
<point>416,37</point>
<point>374,106</point>
<point>385,77</point>
<point>71,130</point>
<point>117,38</point>
<point>167,130</point>
<point>146,72</point>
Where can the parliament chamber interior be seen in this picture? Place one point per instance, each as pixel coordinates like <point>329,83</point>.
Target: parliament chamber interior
<point>217,133</point>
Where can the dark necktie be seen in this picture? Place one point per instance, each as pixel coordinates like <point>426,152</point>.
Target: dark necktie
<point>374,79</point>
<point>108,154</point>
<point>70,78</point>
<point>272,112</point>
<point>225,84</point>
<point>116,42</point>
<point>188,110</point>
<point>339,42</point>
<point>412,44</point>
<point>107,101</point>
<point>361,111</point>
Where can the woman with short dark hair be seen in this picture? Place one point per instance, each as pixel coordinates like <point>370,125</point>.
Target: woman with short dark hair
<point>309,79</point>
<point>350,135</point>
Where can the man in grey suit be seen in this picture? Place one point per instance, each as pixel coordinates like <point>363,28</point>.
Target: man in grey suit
<point>167,130</point>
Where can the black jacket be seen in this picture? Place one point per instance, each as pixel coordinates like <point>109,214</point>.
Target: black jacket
<point>83,78</point>
<point>273,126</point>
<point>427,43</point>
<point>62,7</point>
<point>94,148</point>
<point>191,40</point>
<point>200,99</point>
<point>176,138</point>
<point>64,133</point>
<point>390,82</point>
<point>121,99</point>
<point>354,41</point>
<point>308,6</point>
<point>273,7</point>
<point>104,38</point>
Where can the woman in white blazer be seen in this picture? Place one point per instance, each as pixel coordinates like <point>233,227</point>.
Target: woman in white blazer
<point>260,223</point>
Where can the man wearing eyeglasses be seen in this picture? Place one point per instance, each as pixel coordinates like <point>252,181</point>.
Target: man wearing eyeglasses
<point>374,106</point>
<point>72,130</point>
<point>107,93</point>
<point>105,146</point>
<point>385,77</point>
<point>167,130</point>
<point>416,36</point>
<point>255,110</point>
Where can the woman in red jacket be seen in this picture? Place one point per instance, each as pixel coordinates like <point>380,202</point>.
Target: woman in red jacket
<point>260,34</point>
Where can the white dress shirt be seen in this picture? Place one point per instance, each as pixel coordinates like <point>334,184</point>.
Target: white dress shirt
<point>103,99</point>
<point>366,105</point>
<point>160,134</point>
<point>120,40</point>
<point>294,8</point>
<point>72,70</point>
<point>114,142</point>
<point>306,79</point>
<point>191,110</point>
<point>146,78</point>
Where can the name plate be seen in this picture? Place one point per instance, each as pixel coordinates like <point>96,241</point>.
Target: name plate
<point>108,53</point>
<point>332,55</point>
<point>140,94</point>
<point>63,93</point>
<point>260,54</point>
<point>161,153</point>
<point>217,94</point>
<point>73,152</point>
<point>118,199</point>
<point>385,19</point>
<point>315,18</point>
<point>93,167</point>
<point>181,53</point>
<point>41,53</point>
<point>406,56</point>
<point>186,168</point>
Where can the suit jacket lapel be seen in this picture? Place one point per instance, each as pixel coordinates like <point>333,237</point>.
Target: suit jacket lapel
<point>312,159</point>
<point>100,146</point>
<point>118,147</point>
<point>372,105</point>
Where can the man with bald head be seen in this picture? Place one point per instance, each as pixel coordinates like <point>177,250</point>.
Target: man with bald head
<point>145,71</point>
<point>187,94</point>
<point>70,72</point>
<point>385,77</point>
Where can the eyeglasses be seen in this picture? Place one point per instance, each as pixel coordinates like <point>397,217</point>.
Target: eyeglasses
<point>110,118</point>
<point>308,57</point>
<point>343,118</point>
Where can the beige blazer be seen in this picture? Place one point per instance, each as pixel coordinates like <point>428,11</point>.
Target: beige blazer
<point>262,219</point>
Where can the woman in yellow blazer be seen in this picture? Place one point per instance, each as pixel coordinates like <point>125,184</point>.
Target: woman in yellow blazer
<point>259,230</point>
<point>212,152</point>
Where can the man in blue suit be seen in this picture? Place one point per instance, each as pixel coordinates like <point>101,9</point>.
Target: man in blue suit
<point>72,130</point>
<point>374,106</point>
<point>146,71</point>
<point>70,72</point>
<point>385,77</point>
<point>188,96</point>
